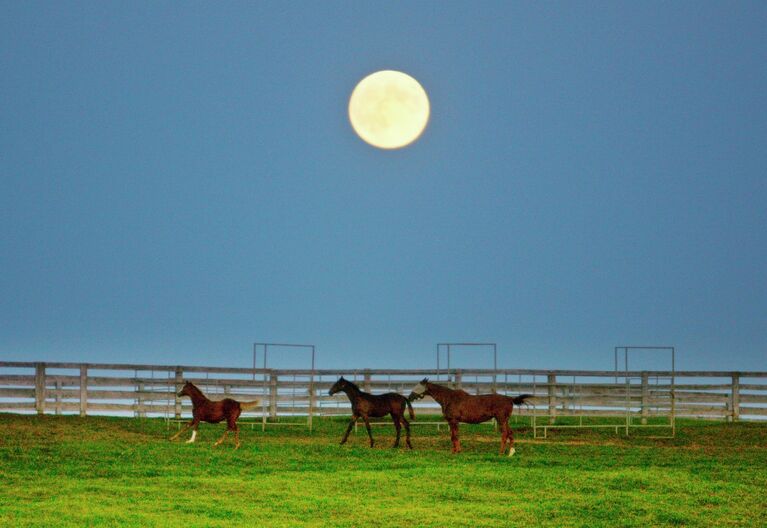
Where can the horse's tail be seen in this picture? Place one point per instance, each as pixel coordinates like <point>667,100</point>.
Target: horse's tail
<point>245,406</point>
<point>522,398</point>
<point>410,408</point>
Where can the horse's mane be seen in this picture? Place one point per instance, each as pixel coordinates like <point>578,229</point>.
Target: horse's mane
<point>448,390</point>
<point>441,387</point>
<point>197,389</point>
<point>357,387</point>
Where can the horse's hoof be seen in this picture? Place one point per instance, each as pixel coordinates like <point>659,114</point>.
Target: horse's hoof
<point>512,451</point>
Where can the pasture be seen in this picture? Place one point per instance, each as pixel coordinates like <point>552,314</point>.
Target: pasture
<point>105,471</point>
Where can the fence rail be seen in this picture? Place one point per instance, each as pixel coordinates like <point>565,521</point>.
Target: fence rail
<point>150,390</point>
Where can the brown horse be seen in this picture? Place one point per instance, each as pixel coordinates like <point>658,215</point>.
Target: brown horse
<point>460,406</point>
<point>366,405</point>
<point>205,410</point>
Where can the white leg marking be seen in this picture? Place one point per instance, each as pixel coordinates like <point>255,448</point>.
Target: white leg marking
<point>194,435</point>
<point>512,451</point>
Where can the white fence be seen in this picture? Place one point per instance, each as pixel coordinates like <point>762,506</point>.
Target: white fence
<point>150,390</point>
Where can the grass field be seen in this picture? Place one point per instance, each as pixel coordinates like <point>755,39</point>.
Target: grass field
<point>70,471</point>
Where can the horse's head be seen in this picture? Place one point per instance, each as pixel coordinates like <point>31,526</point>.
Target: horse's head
<point>420,390</point>
<point>186,390</point>
<point>338,386</point>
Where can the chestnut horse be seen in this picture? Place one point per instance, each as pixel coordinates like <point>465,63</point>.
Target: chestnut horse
<point>460,406</point>
<point>205,410</point>
<point>366,405</point>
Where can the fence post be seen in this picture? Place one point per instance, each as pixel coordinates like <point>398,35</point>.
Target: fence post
<point>83,390</point>
<point>273,395</point>
<point>552,382</point>
<point>40,388</point>
<point>458,384</point>
<point>366,380</point>
<point>179,383</point>
<point>141,409</point>
<point>311,402</point>
<point>645,396</point>
<point>735,397</point>
<point>58,397</point>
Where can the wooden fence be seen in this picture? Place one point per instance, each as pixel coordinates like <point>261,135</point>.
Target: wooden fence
<point>150,390</point>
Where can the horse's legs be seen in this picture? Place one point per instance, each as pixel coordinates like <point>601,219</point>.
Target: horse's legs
<point>511,443</point>
<point>349,428</point>
<point>503,422</point>
<point>186,427</point>
<point>367,426</point>
<point>407,430</point>
<point>233,426</point>
<point>195,425</point>
<point>223,437</point>
<point>398,427</point>
<point>454,437</point>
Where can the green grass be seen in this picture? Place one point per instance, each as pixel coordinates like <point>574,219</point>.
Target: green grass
<point>69,471</point>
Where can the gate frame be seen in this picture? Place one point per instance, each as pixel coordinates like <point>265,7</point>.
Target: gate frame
<point>672,379</point>
<point>475,346</point>
<point>627,425</point>
<point>447,348</point>
<point>267,392</point>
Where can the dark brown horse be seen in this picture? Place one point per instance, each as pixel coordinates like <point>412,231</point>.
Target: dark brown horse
<point>460,406</point>
<point>205,410</point>
<point>366,405</point>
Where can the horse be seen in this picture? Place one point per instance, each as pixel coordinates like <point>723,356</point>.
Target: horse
<point>460,406</point>
<point>206,410</point>
<point>366,405</point>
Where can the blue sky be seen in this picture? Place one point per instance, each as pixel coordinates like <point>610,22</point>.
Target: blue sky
<point>180,180</point>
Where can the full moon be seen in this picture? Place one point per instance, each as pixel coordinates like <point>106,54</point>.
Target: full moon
<point>389,109</point>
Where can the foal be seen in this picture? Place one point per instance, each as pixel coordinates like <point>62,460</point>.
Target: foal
<point>460,406</point>
<point>366,405</point>
<point>206,410</point>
